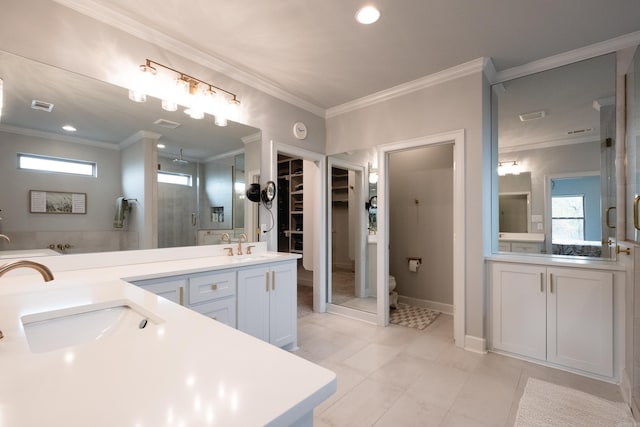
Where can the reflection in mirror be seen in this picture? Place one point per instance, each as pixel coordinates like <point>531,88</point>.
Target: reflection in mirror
<point>120,136</point>
<point>557,125</point>
<point>514,200</point>
<point>351,282</point>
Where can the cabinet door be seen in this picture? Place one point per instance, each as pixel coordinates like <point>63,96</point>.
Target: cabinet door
<point>283,304</point>
<point>171,288</point>
<point>253,301</point>
<point>518,309</point>
<point>580,319</point>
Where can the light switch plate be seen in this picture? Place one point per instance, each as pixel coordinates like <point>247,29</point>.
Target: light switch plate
<point>536,218</point>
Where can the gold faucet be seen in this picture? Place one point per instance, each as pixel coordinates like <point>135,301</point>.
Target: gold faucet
<point>225,238</point>
<point>5,237</point>
<point>47,275</point>
<point>241,238</point>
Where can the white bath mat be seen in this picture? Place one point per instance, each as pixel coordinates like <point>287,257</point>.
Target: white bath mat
<point>549,405</point>
<point>412,317</point>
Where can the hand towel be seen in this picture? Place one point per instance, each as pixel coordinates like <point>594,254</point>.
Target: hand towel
<point>121,207</point>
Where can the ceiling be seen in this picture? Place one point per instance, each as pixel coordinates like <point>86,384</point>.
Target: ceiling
<point>317,52</point>
<point>102,113</point>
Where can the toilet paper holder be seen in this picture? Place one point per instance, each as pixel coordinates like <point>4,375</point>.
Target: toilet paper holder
<point>414,264</point>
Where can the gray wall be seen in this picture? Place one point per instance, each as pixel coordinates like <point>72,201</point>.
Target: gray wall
<point>423,229</point>
<point>92,231</point>
<point>459,104</point>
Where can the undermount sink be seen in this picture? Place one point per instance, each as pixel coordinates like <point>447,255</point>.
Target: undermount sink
<point>58,329</point>
<point>252,257</point>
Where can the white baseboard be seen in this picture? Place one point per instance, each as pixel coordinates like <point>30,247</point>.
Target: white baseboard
<point>475,344</point>
<point>352,313</point>
<point>432,305</point>
<point>625,386</point>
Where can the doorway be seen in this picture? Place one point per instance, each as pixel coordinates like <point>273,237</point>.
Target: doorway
<point>457,138</point>
<point>308,227</point>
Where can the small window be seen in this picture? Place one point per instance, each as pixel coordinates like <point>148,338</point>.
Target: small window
<point>55,164</point>
<point>174,178</point>
<point>567,218</point>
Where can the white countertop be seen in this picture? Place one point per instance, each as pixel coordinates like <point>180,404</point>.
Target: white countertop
<point>186,370</point>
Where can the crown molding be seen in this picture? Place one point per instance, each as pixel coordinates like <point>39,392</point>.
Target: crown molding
<point>226,155</point>
<point>124,23</point>
<point>548,143</point>
<point>580,54</point>
<point>57,137</point>
<point>254,137</point>
<point>471,67</point>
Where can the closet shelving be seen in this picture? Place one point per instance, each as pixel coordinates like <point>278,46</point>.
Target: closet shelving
<point>290,204</point>
<point>339,185</point>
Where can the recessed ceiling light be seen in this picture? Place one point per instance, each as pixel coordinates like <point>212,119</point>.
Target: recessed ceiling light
<point>368,15</point>
<point>161,146</point>
<point>69,128</point>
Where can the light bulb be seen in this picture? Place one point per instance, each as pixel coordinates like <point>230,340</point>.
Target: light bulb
<point>169,105</point>
<point>137,95</point>
<point>367,15</point>
<point>220,121</point>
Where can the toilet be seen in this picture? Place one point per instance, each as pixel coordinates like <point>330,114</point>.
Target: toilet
<point>393,295</point>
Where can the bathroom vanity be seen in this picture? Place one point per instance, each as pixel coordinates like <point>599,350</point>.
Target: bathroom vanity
<point>156,362</point>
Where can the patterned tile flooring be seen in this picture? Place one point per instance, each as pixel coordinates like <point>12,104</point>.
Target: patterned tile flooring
<point>413,317</point>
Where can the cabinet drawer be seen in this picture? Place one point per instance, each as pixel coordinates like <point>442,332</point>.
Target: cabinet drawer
<point>168,288</point>
<point>211,286</point>
<point>223,310</point>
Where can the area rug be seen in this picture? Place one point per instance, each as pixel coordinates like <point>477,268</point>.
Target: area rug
<point>412,317</point>
<point>545,404</point>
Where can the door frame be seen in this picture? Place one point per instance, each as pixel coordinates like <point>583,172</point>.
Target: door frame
<point>457,137</point>
<point>360,235</point>
<point>319,196</point>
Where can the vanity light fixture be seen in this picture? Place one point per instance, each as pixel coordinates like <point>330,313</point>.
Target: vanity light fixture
<point>368,15</point>
<point>509,167</point>
<point>175,88</point>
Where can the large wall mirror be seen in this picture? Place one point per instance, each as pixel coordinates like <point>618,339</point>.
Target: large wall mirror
<point>199,196</point>
<point>555,132</point>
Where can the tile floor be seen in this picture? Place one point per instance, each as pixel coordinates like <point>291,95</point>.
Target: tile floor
<point>399,376</point>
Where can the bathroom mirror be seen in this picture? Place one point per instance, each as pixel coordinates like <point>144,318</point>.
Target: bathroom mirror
<point>351,283</point>
<point>108,126</point>
<point>514,203</point>
<point>558,123</point>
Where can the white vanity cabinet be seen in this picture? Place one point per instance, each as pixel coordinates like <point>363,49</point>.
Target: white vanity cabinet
<point>267,302</point>
<point>212,293</point>
<point>260,299</point>
<point>555,314</point>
